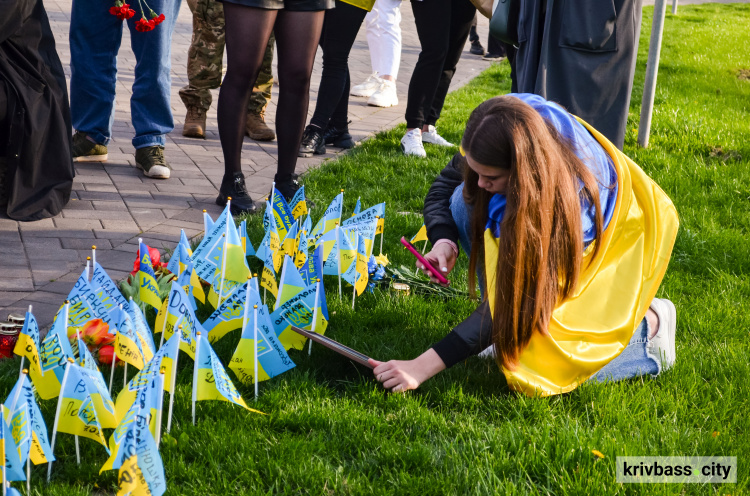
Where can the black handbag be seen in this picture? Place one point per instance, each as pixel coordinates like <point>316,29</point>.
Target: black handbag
<point>504,21</point>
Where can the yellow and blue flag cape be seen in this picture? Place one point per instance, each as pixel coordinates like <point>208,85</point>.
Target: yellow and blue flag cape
<point>272,357</point>
<point>298,205</point>
<point>228,317</point>
<point>282,214</point>
<point>9,453</point>
<point>338,243</point>
<point>146,379</point>
<point>375,212</point>
<point>27,424</point>
<point>213,381</point>
<point>141,472</point>
<point>585,332</point>
<point>291,282</point>
<point>78,415</point>
<point>27,344</point>
<point>148,288</point>
<point>330,218</point>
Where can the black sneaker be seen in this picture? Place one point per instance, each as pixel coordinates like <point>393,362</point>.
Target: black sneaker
<point>85,150</point>
<point>234,187</point>
<point>312,142</point>
<point>476,48</point>
<point>493,56</point>
<point>288,187</point>
<point>338,136</point>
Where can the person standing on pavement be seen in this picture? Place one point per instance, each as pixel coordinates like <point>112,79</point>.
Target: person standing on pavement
<point>204,74</point>
<point>297,25</point>
<point>443,27</point>
<point>95,37</point>
<point>383,26</point>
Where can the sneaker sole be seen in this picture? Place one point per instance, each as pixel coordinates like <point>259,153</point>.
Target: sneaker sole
<point>382,105</point>
<point>319,151</point>
<point>156,174</point>
<point>412,154</point>
<point>363,94</point>
<point>91,158</point>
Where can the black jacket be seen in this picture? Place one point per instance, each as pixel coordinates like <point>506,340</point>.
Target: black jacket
<point>35,130</point>
<point>475,333</point>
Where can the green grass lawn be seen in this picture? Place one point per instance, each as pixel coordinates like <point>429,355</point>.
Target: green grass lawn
<point>331,429</point>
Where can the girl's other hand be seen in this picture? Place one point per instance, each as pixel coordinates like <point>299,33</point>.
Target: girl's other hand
<point>399,376</point>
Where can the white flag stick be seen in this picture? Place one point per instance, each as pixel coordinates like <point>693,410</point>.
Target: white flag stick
<point>174,383</point>
<point>315,315</point>
<point>88,262</point>
<point>255,348</point>
<point>125,375</point>
<point>338,257</point>
<point>164,324</point>
<point>5,488</point>
<point>223,264</point>
<point>57,416</point>
<point>80,357</point>
<point>356,256</point>
<point>157,434</point>
<point>22,357</point>
<point>424,246</point>
<point>28,475</point>
<point>196,364</point>
<point>78,452</point>
<point>112,371</point>
<point>381,233</point>
<point>93,260</point>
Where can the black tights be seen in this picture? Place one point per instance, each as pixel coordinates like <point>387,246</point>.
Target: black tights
<point>247,32</point>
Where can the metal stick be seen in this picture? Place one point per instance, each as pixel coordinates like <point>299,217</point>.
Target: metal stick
<point>5,473</point>
<point>159,411</point>
<point>196,364</point>
<point>174,381</point>
<point>255,348</point>
<point>57,417</point>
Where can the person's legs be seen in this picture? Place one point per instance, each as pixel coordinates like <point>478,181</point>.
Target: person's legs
<point>462,13</point>
<point>340,30</point>
<point>247,32</point>
<point>150,104</point>
<point>433,22</point>
<point>297,37</point>
<point>374,32</point>
<point>204,64</point>
<point>95,37</point>
<point>388,53</point>
<point>634,361</point>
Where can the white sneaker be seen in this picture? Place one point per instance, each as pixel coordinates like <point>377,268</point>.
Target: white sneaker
<point>368,87</point>
<point>411,143</point>
<point>433,137</point>
<point>661,347</point>
<point>385,96</point>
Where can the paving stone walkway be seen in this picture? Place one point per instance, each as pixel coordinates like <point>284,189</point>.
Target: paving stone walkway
<point>113,205</point>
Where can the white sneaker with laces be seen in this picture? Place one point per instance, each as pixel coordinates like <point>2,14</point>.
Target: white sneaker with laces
<point>411,143</point>
<point>385,96</point>
<point>368,87</point>
<point>431,136</point>
<point>661,347</point>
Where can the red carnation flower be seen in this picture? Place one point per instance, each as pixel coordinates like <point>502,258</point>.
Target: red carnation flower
<point>143,25</point>
<point>122,11</point>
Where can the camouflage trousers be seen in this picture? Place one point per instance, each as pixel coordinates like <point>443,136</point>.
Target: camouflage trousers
<point>205,56</point>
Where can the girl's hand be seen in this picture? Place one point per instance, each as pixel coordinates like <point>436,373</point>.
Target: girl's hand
<point>441,257</point>
<point>399,376</point>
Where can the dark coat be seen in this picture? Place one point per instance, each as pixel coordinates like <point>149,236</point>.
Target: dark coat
<point>35,132</point>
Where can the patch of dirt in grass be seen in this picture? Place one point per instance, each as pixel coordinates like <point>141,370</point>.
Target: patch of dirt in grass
<point>725,155</point>
<point>743,74</point>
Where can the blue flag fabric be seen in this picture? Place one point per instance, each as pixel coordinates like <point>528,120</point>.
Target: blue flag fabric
<point>141,326</point>
<point>101,281</point>
<point>228,316</point>
<point>84,305</point>
<point>298,311</point>
<point>357,207</point>
<point>27,424</point>
<point>207,256</point>
<point>13,467</point>
<point>282,213</point>
<point>141,471</point>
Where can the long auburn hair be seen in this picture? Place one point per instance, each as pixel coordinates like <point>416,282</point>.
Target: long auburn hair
<point>541,239</point>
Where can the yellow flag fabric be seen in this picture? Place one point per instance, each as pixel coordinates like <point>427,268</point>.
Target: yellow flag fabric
<point>421,235</point>
<point>594,325</point>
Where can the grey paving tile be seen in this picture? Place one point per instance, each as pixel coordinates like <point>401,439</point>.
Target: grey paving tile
<point>10,297</point>
<point>85,243</point>
<point>16,284</point>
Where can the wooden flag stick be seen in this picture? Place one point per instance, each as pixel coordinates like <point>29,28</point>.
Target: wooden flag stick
<point>196,364</point>
<point>255,348</point>
<point>57,417</point>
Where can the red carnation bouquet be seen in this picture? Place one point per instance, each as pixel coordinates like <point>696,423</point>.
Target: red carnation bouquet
<point>123,12</point>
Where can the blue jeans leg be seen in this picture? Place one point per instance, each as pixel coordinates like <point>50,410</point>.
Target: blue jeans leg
<point>461,213</point>
<point>150,104</point>
<point>95,37</point>
<point>632,362</point>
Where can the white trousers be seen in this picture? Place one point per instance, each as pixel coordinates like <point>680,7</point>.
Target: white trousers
<point>383,24</point>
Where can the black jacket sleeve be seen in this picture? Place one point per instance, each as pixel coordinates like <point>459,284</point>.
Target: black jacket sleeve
<point>437,212</point>
<point>468,338</point>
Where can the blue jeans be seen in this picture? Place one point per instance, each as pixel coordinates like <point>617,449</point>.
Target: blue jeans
<point>634,361</point>
<point>95,37</point>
